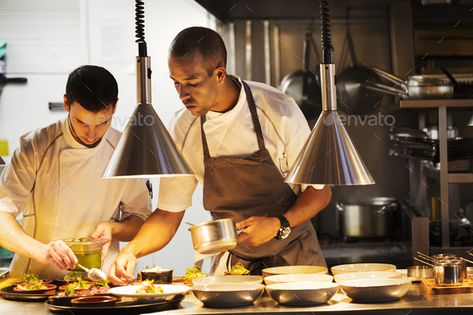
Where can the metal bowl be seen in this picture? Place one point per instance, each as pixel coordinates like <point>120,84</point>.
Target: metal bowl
<point>302,293</point>
<point>284,270</point>
<point>376,290</point>
<point>214,236</point>
<point>417,273</point>
<point>228,294</point>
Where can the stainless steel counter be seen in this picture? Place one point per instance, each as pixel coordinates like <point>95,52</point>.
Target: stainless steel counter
<point>414,302</point>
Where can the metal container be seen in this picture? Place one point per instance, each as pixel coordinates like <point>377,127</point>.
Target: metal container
<point>420,272</point>
<point>449,272</point>
<point>214,236</point>
<point>375,217</point>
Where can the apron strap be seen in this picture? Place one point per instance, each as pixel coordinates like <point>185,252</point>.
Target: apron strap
<point>204,139</point>
<point>254,115</point>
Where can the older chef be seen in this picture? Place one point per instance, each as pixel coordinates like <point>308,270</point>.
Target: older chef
<point>240,138</point>
<point>54,181</point>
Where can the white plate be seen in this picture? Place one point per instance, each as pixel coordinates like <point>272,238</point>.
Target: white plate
<point>284,270</point>
<point>228,279</point>
<point>169,292</point>
<point>362,268</point>
<point>342,277</point>
<point>309,277</point>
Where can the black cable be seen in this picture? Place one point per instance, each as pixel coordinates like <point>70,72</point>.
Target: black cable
<point>326,36</point>
<point>140,27</point>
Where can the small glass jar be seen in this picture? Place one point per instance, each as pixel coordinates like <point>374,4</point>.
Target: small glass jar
<point>87,250</point>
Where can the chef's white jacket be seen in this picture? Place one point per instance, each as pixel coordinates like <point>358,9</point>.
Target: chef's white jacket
<point>55,182</point>
<point>232,134</point>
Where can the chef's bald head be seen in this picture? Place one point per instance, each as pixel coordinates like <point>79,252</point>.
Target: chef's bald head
<point>207,42</point>
<point>93,87</point>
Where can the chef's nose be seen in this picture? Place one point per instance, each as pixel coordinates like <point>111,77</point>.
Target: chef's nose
<point>91,133</point>
<point>183,92</point>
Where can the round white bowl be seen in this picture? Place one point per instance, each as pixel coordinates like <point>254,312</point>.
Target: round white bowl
<point>228,279</point>
<point>308,277</point>
<point>302,293</point>
<point>361,268</point>
<point>376,290</point>
<point>342,277</point>
<point>284,270</point>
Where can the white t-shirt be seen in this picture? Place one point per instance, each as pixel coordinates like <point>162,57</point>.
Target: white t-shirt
<point>232,134</point>
<point>56,183</point>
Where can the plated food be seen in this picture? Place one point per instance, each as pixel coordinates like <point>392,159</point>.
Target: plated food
<point>165,292</point>
<point>155,273</point>
<point>238,269</point>
<point>191,274</point>
<point>32,283</point>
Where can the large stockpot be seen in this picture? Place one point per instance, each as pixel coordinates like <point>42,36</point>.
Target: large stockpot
<point>449,272</point>
<point>214,236</point>
<point>375,217</point>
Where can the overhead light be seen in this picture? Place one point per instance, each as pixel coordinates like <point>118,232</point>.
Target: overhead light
<point>145,149</point>
<point>329,156</point>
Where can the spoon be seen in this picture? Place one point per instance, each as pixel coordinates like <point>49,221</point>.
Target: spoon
<point>94,274</point>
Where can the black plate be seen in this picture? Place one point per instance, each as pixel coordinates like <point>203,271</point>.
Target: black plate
<point>8,294</point>
<point>122,307</point>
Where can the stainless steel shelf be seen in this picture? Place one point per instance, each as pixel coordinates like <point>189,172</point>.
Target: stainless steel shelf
<point>445,177</point>
<point>419,104</point>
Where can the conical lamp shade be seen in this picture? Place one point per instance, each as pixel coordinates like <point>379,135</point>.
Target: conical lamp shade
<point>146,149</point>
<point>329,157</point>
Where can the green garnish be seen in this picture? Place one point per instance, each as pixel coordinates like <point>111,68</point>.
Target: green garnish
<point>194,273</point>
<point>238,269</point>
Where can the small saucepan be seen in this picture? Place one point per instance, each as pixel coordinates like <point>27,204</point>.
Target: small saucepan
<point>214,236</point>
<point>416,86</point>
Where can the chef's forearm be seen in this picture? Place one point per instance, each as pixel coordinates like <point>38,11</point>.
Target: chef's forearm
<point>13,238</point>
<point>155,233</point>
<point>126,230</point>
<point>308,204</point>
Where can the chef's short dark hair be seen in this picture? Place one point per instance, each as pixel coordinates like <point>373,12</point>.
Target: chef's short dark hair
<point>93,87</point>
<point>207,42</point>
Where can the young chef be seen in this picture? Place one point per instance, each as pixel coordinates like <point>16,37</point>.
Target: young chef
<point>54,181</point>
<point>240,138</point>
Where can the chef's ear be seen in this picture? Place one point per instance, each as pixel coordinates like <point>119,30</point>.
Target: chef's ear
<point>115,107</point>
<point>67,106</point>
<point>221,73</point>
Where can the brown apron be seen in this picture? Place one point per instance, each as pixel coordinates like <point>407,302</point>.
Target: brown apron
<point>242,187</point>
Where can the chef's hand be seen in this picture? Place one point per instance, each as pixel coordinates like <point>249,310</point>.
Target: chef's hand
<point>103,231</point>
<point>255,231</point>
<point>122,269</point>
<point>59,254</point>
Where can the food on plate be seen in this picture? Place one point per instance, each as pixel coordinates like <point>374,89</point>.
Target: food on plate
<point>31,282</point>
<point>73,276</point>
<point>156,273</point>
<point>148,287</point>
<point>191,274</point>
<point>75,286</point>
<point>99,287</point>
<point>238,269</point>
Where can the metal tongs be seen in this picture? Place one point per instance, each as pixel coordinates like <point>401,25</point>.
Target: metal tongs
<point>94,274</point>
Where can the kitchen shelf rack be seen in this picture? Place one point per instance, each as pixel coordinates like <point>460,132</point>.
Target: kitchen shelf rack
<point>446,178</point>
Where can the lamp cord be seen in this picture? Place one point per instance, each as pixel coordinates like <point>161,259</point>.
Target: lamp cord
<point>140,27</point>
<point>326,36</point>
